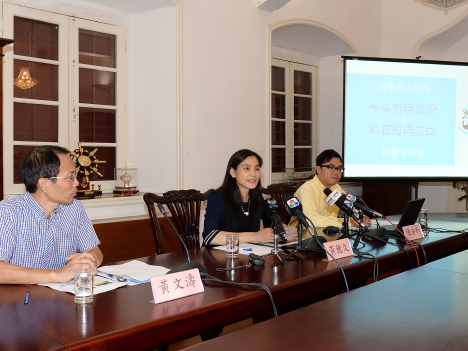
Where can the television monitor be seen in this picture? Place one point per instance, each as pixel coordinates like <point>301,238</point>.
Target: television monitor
<point>405,119</point>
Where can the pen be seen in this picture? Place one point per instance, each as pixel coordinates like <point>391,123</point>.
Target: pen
<point>69,283</point>
<point>26,300</point>
<point>247,249</point>
<point>116,277</point>
<point>101,283</point>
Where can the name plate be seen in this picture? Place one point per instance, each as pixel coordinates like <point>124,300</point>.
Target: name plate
<point>338,249</point>
<point>176,285</point>
<point>413,232</point>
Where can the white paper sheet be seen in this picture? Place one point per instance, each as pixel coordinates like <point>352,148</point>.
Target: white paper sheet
<point>136,271</point>
<point>100,285</point>
<point>247,248</point>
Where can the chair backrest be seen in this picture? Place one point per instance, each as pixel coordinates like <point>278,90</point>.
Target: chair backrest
<point>279,192</point>
<point>185,206</point>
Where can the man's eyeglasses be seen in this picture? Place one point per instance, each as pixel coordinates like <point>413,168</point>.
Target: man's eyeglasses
<point>72,177</point>
<point>333,167</point>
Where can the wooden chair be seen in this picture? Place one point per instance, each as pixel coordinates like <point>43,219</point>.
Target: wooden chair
<point>184,206</point>
<point>279,192</point>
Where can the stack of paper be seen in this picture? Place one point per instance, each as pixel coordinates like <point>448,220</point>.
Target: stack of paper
<point>136,272</point>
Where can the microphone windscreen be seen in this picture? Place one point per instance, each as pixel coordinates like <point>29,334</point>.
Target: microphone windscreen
<point>293,205</point>
<point>311,244</point>
<point>270,207</point>
<point>188,266</point>
<point>380,234</point>
<point>327,191</point>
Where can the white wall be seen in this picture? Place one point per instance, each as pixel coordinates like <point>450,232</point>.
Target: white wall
<point>401,31</point>
<point>226,63</point>
<point>404,23</point>
<point>152,91</point>
<point>330,112</point>
<point>225,78</point>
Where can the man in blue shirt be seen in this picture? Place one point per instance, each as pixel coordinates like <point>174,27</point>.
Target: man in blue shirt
<point>45,234</point>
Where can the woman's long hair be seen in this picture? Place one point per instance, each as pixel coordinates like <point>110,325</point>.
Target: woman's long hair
<point>230,189</point>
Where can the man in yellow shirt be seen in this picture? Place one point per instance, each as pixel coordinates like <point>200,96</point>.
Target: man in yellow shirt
<point>329,167</point>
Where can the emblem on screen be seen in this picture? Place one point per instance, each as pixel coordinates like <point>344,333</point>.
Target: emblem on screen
<point>465,119</point>
<point>464,122</point>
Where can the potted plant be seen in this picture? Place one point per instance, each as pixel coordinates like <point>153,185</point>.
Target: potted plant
<point>463,186</point>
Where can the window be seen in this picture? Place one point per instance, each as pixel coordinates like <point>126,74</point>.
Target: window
<point>80,96</point>
<point>293,119</point>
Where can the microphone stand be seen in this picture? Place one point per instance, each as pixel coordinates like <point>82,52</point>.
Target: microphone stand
<point>360,231</point>
<point>299,238</point>
<point>345,227</point>
<point>299,247</point>
<point>275,249</point>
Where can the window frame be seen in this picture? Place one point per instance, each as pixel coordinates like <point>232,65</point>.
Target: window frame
<point>289,68</point>
<point>68,86</point>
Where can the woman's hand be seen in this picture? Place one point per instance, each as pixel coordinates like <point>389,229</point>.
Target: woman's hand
<point>265,235</point>
<point>287,230</point>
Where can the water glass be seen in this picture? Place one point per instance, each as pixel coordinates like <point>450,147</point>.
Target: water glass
<point>423,219</point>
<point>232,245</point>
<point>84,285</point>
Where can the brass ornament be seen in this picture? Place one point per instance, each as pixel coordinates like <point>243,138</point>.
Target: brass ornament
<point>86,164</point>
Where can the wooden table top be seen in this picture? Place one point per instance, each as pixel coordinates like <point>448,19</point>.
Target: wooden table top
<point>422,309</point>
<point>126,319</point>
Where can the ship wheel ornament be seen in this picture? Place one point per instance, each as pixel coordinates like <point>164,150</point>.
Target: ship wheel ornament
<point>86,164</point>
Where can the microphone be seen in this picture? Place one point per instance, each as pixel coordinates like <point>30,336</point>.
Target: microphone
<point>350,200</point>
<point>189,265</point>
<point>369,210</point>
<point>294,208</point>
<point>338,199</point>
<point>271,211</point>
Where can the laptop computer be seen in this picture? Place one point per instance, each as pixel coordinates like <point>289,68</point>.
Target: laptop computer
<point>410,214</point>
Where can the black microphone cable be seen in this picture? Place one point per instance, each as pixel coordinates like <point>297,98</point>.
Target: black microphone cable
<point>375,217</point>
<point>206,277</point>
<point>189,265</point>
<point>375,272</point>
<point>422,250</point>
<point>408,240</point>
<point>360,243</point>
<point>390,243</point>
<point>369,233</point>
<point>320,244</point>
<point>163,211</point>
<point>402,240</point>
<point>448,231</point>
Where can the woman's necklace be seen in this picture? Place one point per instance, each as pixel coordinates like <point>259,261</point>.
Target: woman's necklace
<point>248,208</point>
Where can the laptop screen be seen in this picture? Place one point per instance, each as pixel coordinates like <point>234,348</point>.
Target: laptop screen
<point>411,212</point>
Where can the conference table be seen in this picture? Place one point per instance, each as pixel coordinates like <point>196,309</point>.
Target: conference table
<point>421,309</point>
<point>126,318</point>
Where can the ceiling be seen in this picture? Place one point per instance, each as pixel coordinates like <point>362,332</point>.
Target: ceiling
<point>134,6</point>
<point>298,37</point>
<point>309,39</point>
